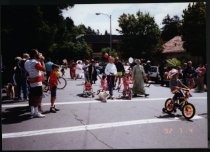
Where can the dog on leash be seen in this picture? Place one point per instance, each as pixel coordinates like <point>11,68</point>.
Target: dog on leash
<point>10,91</point>
<point>102,95</point>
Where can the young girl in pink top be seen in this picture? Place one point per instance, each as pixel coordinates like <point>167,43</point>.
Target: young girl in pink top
<point>103,82</point>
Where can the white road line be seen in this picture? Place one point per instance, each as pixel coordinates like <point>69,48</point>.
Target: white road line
<point>89,127</point>
<point>96,101</point>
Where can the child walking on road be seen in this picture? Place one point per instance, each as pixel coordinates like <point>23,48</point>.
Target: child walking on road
<point>53,86</point>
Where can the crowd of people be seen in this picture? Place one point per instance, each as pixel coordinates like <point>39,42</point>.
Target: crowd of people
<point>30,70</point>
<point>28,75</point>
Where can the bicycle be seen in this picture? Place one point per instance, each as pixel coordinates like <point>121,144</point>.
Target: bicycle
<point>187,109</point>
<point>61,84</point>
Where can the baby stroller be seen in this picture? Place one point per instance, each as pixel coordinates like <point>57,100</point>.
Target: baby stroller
<point>88,90</point>
<point>128,84</point>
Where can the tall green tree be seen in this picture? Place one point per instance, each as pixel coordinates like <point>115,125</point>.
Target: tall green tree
<point>194,29</point>
<point>171,28</point>
<point>141,34</point>
<point>42,27</point>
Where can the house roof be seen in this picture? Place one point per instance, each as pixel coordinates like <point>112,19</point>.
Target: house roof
<point>175,45</point>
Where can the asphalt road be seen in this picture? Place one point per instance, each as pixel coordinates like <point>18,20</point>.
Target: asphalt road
<point>87,123</point>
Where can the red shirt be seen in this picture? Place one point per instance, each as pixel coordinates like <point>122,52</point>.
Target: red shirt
<point>53,79</point>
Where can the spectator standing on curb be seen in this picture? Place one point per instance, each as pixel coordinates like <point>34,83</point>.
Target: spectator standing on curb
<point>17,78</point>
<point>92,72</point>
<point>111,72</point>
<point>201,71</point>
<point>85,68</point>
<point>120,72</point>
<point>138,76</point>
<point>20,77</point>
<point>53,80</point>
<point>48,66</point>
<point>205,78</point>
<point>72,68</point>
<point>190,75</point>
<point>35,67</point>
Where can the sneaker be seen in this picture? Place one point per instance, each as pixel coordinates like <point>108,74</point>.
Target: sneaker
<point>52,109</point>
<point>56,109</point>
<point>39,115</point>
<point>110,97</point>
<point>32,115</point>
<point>146,95</point>
<point>135,95</point>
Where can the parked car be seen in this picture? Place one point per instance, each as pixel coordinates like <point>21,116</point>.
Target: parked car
<point>154,74</point>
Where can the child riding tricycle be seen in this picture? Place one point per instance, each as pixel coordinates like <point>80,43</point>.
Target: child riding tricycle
<point>179,100</point>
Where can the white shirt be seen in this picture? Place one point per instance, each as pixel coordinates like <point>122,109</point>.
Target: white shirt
<point>33,72</point>
<point>110,69</point>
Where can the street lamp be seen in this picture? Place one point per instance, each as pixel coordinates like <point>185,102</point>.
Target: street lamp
<point>110,17</point>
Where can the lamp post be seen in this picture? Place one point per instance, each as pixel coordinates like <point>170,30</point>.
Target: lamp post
<point>110,18</point>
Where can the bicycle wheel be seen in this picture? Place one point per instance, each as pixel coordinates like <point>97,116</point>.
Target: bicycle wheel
<point>188,111</point>
<point>169,105</point>
<point>61,83</point>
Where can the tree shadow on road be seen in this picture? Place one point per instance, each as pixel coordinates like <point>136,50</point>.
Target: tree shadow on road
<point>15,115</point>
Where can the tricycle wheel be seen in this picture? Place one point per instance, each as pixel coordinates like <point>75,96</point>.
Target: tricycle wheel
<point>188,111</point>
<point>169,105</point>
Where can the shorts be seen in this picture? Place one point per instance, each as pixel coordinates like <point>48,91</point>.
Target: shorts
<point>53,91</point>
<point>119,74</point>
<point>36,91</point>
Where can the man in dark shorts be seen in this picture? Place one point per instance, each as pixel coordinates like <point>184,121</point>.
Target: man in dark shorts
<point>35,68</point>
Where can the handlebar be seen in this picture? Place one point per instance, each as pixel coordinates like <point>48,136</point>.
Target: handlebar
<point>185,89</point>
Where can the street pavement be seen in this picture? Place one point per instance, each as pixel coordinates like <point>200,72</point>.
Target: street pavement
<point>87,123</point>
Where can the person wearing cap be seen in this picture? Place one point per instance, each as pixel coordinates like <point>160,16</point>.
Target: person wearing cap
<point>138,76</point>
<point>111,72</point>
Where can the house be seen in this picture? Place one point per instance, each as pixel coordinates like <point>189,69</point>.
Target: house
<point>173,47</point>
<point>97,42</point>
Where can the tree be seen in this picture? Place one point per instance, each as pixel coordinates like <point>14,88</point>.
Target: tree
<point>141,34</point>
<point>41,27</point>
<point>194,29</point>
<point>171,27</point>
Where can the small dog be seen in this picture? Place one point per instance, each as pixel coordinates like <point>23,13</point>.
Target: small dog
<point>103,95</point>
<point>10,91</point>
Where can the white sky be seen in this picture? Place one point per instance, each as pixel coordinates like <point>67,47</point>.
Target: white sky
<point>85,13</point>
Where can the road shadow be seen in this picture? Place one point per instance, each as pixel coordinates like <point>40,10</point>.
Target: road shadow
<point>8,100</point>
<point>84,96</point>
<point>15,115</point>
<point>173,116</point>
<point>12,101</point>
<point>169,116</point>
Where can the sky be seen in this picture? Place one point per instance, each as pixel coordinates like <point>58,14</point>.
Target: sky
<point>85,13</point>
